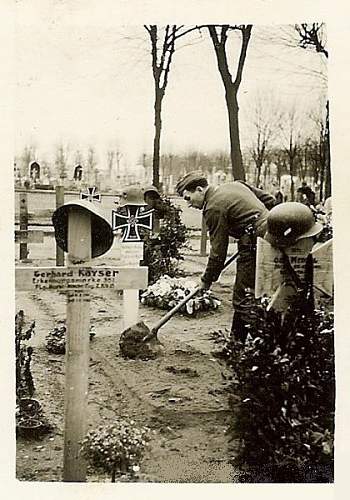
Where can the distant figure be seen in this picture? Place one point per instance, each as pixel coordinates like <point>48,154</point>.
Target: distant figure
<point>277,194</point>
<point>306,194</point>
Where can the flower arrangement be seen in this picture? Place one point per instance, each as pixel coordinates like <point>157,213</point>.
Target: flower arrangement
<point>56,338</point>
<point>116,448</point>
<point>167,292</point>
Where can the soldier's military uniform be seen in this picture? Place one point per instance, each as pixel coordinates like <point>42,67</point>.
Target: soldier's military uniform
<point>239,210</point>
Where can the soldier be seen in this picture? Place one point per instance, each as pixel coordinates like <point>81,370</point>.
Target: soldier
<point>233,209</point>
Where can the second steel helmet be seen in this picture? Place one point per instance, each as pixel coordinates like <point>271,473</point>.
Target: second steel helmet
<point>132,195</point>
<point>290,222</point>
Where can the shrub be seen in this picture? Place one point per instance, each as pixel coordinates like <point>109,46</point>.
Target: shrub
<point>24,380</point>
<point>56,338</point>
<point>116,448</point>
<point>285,381</point>
<point>162,253</point>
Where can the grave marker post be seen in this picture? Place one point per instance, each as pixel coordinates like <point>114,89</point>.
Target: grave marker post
<point>84,234</point>
<point>23,224</point>
<point>59,202</point>
<point>77,351</point>
<point>128,218</point>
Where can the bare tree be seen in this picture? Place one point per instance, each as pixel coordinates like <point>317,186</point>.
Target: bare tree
<point>219,36</point>
<point>163,42</point>
<point>92,172</point>
<point>61,156</point>
<point>291,137</point>
<point>313,36</point>
<point>266,126</point>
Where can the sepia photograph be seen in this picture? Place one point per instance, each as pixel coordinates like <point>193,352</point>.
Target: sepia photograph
<point>173,265</point>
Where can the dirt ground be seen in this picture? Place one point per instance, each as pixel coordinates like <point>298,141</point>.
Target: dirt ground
<point>188,411</point>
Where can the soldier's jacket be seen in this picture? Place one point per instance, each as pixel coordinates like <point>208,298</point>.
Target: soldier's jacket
<point>228,210</point>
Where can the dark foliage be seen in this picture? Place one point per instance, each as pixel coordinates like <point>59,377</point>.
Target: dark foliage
<point>162,253</point>
<point>285,380</point>
<point>56,338</point>
<point>24,379</point>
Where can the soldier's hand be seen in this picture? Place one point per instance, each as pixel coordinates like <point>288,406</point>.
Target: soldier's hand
<point>203,285</point>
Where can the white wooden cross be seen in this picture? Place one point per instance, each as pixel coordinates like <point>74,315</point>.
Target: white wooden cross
<point>78,280</point>
<point>128,219</point>
<point>273,280</point>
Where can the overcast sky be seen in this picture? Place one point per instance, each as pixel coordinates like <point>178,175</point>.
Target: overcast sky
<point>83,79</point>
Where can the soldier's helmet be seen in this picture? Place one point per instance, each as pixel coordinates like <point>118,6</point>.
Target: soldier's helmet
<point>289,222</point>
<point>132,195</point>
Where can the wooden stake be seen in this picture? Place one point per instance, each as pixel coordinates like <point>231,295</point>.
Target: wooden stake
<point>77,352</point>
<point>131,307</point>
<point>23,224</point>
<point>59,202</point>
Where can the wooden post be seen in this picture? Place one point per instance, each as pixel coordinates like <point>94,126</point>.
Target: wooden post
<point>23,224</point>
<point>77,352</point>
<point>204,237</point>
<point>78,281</point>
<point>59,202</point>
<point>131,307</point>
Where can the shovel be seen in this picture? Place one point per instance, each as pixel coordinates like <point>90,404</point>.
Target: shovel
<point>140,342</point>
<point>154,330</point>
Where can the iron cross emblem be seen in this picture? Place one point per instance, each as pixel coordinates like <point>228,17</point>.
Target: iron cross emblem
<point>136,216</point>
<point>91,195</point>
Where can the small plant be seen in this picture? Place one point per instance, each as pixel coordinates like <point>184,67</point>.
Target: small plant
<point>24,380</point>
<point>167,292</point>
<point>162,253</point>
<point>56,338</point>
<point>117,448</point>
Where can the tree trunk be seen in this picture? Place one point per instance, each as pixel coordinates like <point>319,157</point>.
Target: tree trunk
<point>235,146</point>
<point>157,132</point>
<point>328,177</point>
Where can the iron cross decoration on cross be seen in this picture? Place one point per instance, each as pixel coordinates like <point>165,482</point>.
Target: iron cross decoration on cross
<point>136,216</point>
<point>91,195</point>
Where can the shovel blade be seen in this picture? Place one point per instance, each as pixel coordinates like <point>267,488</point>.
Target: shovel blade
<point>133,346</point>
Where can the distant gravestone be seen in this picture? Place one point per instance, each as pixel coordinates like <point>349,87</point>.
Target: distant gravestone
<point>34,171</point>
<point>274,280</point>
<point>78,173</point>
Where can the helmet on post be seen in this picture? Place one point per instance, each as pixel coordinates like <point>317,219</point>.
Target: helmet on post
<point>289,222</point>
<point>101,231</point>
<point>132,195</point>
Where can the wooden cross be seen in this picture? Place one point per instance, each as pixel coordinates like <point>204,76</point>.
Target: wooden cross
<point>78,280</point>
<point>23,236</point>
<point>91,195</point>
<point>273,280</point>
<point>135,217</point>
<point>130,250</point>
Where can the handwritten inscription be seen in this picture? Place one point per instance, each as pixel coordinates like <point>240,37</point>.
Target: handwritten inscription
<point>81,278</point>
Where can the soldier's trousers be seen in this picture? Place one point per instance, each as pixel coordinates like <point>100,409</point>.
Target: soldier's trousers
<point>244,284</point>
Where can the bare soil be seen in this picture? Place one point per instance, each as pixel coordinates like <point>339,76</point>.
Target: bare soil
<point>182,395</point>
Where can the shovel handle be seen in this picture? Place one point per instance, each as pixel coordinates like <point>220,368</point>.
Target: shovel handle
<point>178,306</point>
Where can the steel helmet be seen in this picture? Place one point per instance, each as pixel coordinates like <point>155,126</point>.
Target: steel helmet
<point>290,222</point>
<point>132,195</point>
<point>101,231</point>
